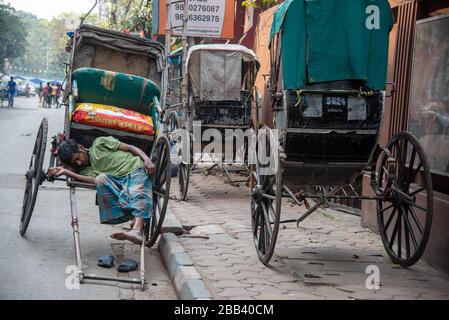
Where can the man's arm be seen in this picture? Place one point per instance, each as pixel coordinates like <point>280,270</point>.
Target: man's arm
<point>139,153</point>
<point>59,171</point>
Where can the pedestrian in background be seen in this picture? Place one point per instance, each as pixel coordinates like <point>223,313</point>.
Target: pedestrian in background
<point>49,95</point>
<point>40,92</point>
<point>11,92</point>
<point>58,96</point>
<point>27,91</point>
<point>45,96</point>
<point>53,94</point>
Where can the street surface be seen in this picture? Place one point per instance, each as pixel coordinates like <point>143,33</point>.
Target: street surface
<point>325,258</point>
<point>33,267</point>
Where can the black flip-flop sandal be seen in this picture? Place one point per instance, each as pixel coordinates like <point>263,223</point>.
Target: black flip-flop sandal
<point>106,261</point>
<point>127,265</point>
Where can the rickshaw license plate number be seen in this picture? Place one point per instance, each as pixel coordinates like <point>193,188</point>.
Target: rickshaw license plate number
<point>335,107</point>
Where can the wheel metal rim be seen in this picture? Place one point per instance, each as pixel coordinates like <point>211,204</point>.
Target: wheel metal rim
<point>402,207</point>
<point>34,176</point>
<point>265,217</point>
<point>161,188</point>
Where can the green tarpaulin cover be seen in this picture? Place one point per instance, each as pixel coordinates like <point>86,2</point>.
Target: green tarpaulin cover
<point>347,40</point>
<point>115,89</point>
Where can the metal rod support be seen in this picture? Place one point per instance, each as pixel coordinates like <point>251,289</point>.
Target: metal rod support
<point>125,280</point>
<point>319,204</point>
<point>76,235</point>
<point>344,197</point>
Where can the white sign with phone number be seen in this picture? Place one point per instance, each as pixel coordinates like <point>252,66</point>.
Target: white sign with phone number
<point>206,18</point>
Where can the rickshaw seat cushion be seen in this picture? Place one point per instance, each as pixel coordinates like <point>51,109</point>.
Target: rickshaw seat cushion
<point>116,89</point>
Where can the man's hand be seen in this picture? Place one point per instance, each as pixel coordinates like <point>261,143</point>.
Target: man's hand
<point>57,172</point>
<point>150,167</point>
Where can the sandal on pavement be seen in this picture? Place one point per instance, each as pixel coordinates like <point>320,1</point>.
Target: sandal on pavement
<point>127,265</point>
<point>106,261</point>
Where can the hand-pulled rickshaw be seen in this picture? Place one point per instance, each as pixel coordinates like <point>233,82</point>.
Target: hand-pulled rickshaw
<point>112,68</point>
<point>220,81</point>
<point>327,83</point>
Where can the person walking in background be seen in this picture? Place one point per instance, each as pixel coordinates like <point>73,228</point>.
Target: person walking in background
<point>45,96</point>
<point>49,95</point>
<point>58,96</point>
<point>11,92</point>
<point>27,91</point>
<point>53,94</point>
<point>40,92</point>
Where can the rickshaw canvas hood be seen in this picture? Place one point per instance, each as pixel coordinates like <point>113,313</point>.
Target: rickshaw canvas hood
<point>343,41</point>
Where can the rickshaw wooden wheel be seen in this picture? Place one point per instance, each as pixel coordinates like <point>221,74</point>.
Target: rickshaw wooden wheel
<point>266,197</point>
<point>34,176</point>
<point>173,123</point>
<point>161,189</point>
<point>183,178</point>
<point>405,214</point>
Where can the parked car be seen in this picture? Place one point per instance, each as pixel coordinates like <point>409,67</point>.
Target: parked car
<point>21,89</point>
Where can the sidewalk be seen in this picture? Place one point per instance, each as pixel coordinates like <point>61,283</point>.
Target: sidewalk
<point>325,258</point>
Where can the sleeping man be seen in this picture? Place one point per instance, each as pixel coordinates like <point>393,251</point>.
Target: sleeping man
<point>121,173</point>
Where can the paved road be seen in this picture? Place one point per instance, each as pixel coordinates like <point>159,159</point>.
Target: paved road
<point>34,267</point>
<point>325,258</point>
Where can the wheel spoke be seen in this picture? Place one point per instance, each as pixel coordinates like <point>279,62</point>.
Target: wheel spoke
<point>416,220</point>
<point>163,181</point>
<point>268,196</point>
<point>415,192</point>
<point>159,153</point>
<point>390,219</point>
<point>256,220</point>
<point>395,231</point>
<point>272,212</point>
<point>267,222</point>
<point>161,164</point>
<point>261,240</point>
<point>407,237</point>
<point>415,205</point>
<point>386,208</point>
<point>410,230</point>
<point>161,194</point>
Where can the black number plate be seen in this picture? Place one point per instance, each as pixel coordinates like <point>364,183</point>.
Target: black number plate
<point>335,107</point>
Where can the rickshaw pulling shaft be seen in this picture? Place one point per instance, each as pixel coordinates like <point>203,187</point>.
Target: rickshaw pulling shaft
<point>76,237</point>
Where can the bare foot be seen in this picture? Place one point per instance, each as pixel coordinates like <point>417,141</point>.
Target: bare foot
<point>134,235</point>
<point>131,225</point>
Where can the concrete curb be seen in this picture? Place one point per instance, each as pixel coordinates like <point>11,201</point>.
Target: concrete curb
<point>187,281</point>
<point>171,224</point>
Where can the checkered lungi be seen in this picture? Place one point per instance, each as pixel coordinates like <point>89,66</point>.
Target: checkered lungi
<point>123,198</point>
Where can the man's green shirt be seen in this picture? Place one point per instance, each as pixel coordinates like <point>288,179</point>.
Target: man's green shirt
<point>106,158</point>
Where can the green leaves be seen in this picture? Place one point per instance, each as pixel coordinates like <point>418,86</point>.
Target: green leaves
<point>12,34</point>
<point>130,15</point>
<point>263,4</point>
